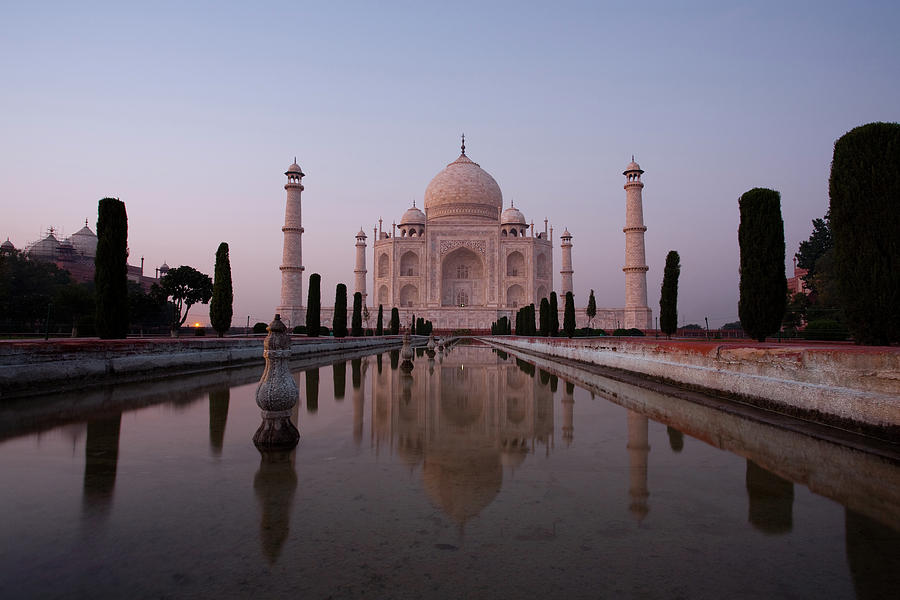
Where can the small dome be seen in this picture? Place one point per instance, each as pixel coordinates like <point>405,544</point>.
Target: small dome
<point>294,169</point>
<point>413,216</point>
<point>361,234</point>
<point>632,166</point>
<point>163,267</point>
<point>566,233</point>
<point>7,245</point>
<point>512,216</point>
<point>85,240</point>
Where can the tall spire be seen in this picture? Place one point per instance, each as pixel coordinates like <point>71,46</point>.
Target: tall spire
<point>464,144</point>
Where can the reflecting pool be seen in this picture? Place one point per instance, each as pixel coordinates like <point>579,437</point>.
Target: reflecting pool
<point>478,475</point>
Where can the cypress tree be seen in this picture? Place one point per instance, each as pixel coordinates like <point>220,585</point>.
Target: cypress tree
<point>763,287</point>
<point>554,315</point>
<point>379,324</point>
<point>356,322</point>
<point>111,270</point>
<point>519,322</point>
<point>668,296</point>
<point>591,310</point>
<point>395,321</point>
<point>221,304</point>
<point>412,326</point>
<point>864,191</point>
<point>339,323</point>
<point>314,306</point>
<point>545,317</point>
<point>569,315</point>
<point>532,328</point>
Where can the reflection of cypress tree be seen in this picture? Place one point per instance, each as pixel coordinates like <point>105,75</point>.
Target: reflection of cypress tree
<point>218,415</point>
<point>873,551</point>
<point>339,371</point>
<point>554,383</point>
<point>503,355</point>
<point>395,359</point>
<point>525,366</point>
<point>356,372</point>
<point>274,483</point>
<point>676,439</point>
<point>544,376</point>
<point>570,388</point>
<point>378,363</point>
<point>101,457</point>
<point>312,390</point>
<point>771,500</point>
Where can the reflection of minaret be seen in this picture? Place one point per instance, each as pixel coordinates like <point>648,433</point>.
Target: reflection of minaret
<point>568,408</point>
<point>339,371</point>
<point>771,500</point>
<point>218,415</point>
<point>312,390</point>
<point>359,402</point>
<point>638,449</point>
<point>873,551</point>
<point>101,457</point>
<point>274,483</point>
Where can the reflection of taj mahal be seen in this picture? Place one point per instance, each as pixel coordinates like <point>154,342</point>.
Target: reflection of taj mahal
<point>466,261</point>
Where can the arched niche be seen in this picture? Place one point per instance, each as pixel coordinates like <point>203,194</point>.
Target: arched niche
<point>515,296</point>
<point>542,266</point>
<point>409,295</point>
<point>409,264</point>
<point>515,264</point>
<point>383,265</point>
<point>383,295</point>
<point>462,277</point>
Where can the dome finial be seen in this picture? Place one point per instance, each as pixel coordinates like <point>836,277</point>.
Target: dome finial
<point>512,203</point>
<point>463,144</point>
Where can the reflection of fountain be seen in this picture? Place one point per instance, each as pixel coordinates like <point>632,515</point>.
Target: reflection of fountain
<point>638,449</point>
<point>274,483</point>
<point>771,500</point>
<point>431,346</point>
<point>218,416</point>
<point>277,392</point>
<point>101,457</point>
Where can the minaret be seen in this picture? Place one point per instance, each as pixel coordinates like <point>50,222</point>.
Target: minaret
<point>291,307</point>
<point>566,271</point>
<point>637,313</point>
<point>360,270</point>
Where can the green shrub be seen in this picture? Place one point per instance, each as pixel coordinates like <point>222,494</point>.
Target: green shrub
<point>199,331</point>
<point>825,329</point>
<point>633,332</point>
<point>370,332</point>
<point>300,329</point>
<point>260,327</point>
<point>323,331</point>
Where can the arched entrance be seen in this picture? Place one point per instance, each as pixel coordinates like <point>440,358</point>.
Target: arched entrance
<point>462,279</point>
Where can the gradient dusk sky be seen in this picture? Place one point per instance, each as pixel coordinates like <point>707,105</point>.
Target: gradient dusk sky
<point>191,112</point>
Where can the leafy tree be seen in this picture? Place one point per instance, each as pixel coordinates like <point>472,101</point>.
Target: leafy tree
<point>865,222</point>
<point>395,321</point>
<point>591,310</point>
<point>819,242</point>
<point>27,288</point>
<point>260,327</point>
<point>356,328</point>
<point>379,324</point>
<point>221,304</point>
<point>111,269</point>
<point>668,297</point>
<point>733,326</point>
<point>339,323</point>
<point>763,286</point>
<point>545,317</point>
<point>75,303</point>
<point>185,286</point>
<point>314,306</point>
<point>554,315</point>
<point>147,310</point>
<point>569,315</point>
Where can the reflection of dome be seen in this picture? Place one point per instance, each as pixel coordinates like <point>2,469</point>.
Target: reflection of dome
<point>512,216</point>
<point>463,189</point>
<point>462,481</point>
<point>413,216</point>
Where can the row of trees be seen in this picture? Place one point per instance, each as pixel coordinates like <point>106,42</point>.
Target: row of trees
<point>852,256</point>
<point>547,318</point>
<point>359,316</point>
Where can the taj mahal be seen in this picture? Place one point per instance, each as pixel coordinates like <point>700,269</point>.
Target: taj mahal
<point>465,260</point>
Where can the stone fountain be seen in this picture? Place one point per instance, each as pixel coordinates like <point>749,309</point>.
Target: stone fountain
<point>277,392</point>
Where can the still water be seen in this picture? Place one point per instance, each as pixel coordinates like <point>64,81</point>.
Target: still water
<point>480,475</point>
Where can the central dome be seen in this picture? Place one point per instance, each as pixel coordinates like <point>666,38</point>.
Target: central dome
<point>463,189</point>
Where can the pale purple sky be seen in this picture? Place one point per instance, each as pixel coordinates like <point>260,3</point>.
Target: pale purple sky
<point>191,114</point>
